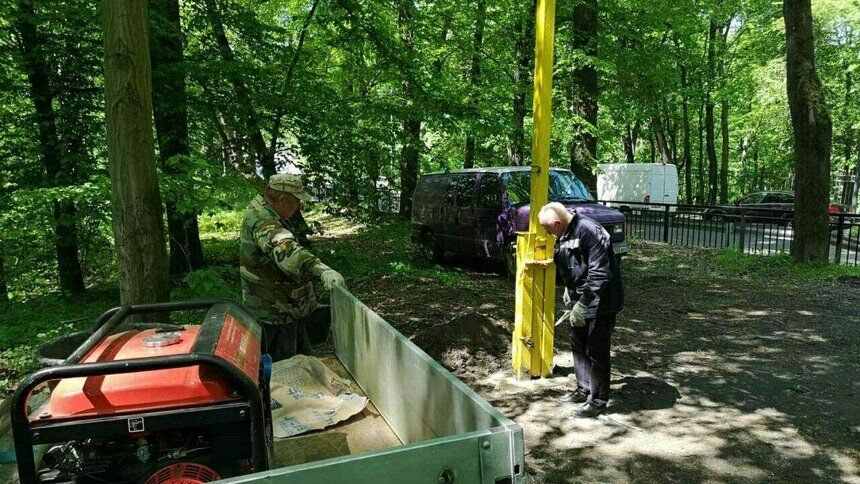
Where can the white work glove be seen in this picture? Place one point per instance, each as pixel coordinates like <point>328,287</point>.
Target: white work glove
<point>577,315</point>
<point>331,278</point>
<point>566,298</point>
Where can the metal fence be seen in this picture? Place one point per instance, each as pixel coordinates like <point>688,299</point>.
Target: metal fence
<point>753,230</point>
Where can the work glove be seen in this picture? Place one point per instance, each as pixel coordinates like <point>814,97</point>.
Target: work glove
<point>566,298</point>
<point>331,278</point>
<point>577,315</point>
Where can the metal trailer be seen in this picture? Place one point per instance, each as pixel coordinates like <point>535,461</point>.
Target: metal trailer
<point>449,433</point>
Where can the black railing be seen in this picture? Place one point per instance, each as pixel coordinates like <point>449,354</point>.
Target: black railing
<point>752,230</point>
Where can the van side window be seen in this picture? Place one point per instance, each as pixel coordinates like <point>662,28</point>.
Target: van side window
<point>489,194</point>
<point>451,191</point>
<point>429,187</point>
<point>465,188</point>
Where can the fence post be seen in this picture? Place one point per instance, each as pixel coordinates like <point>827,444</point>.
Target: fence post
<point>666,224</point>
<point>743,231</point>
<point>840,227</point>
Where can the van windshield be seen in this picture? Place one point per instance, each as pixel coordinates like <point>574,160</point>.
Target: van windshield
<point>563,187</point>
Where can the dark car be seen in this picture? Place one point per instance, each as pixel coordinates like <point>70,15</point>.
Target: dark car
<point>477,212</point>
<point>767,206</point>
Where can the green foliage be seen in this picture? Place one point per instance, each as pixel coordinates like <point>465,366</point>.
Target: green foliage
<point>214,282</point>
<point>778,266</point>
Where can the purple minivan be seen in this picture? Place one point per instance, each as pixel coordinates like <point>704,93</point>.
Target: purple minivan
<point>477,212</point>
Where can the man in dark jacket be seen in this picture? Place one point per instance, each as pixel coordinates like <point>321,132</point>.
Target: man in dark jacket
<point>591,277</point>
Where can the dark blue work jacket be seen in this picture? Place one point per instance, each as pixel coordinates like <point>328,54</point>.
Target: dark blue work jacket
<point>587,267</point>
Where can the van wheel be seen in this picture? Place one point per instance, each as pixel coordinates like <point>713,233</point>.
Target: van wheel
<point>510,261</point>
<point>430,247</point>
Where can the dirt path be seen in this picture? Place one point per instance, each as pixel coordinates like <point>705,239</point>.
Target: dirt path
<point>715,378</point>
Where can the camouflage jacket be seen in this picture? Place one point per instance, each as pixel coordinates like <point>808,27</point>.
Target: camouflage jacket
<point>277,273</point>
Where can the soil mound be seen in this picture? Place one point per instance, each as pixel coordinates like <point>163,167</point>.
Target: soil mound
<point>469,342</point>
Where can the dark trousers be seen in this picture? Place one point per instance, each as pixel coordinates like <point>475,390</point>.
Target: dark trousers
<point>591,365</point>
<point>282,341</point>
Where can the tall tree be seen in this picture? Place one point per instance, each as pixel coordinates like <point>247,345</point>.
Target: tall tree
<point>170,110</point>
<point>475,79</point>
<point>523,57</point>
<point>709,114</point>
<point>411,148</point>
<point>138,217</point>
<point>261,153</point>
<point>811,124</point>
<point>688,155</point>
<point>724,120</point>
<point>700,178</point>
<point>628,142</point>
<point>4,287</point>
<point>584,91</point>
<point>55,160</point>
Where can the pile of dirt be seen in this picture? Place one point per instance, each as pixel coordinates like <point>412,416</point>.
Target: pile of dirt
<point>469,343</point>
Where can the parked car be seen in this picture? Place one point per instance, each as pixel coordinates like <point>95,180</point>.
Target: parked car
<point>477,212</point>
<point>767,206</point>
<point>634,185</point>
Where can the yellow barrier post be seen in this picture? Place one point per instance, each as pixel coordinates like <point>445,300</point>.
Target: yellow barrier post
<point>535,294</point>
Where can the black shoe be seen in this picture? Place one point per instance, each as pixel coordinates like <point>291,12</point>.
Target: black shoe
<point>574,397</point>
<point>588,411</point>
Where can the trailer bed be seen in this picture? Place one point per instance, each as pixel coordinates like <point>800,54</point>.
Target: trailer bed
<point>364,432</point>
<point>430,428</point>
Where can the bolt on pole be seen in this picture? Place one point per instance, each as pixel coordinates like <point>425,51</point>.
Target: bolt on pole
<point>534,323</point>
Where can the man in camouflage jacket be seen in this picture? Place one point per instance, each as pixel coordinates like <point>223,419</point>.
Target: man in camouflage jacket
<point>277,273</point>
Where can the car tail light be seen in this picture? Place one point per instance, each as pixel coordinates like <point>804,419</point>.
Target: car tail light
<point>833,208</point>
<point>647,198</point>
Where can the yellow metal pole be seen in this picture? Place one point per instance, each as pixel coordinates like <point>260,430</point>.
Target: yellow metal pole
<point>535,293</point>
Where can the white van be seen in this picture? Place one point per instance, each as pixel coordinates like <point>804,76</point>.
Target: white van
<point>628,185</point>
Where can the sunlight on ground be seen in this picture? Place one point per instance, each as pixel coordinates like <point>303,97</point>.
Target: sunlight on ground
<point>694,430</point>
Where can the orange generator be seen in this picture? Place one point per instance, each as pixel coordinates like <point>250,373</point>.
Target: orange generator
<point>164,405</point>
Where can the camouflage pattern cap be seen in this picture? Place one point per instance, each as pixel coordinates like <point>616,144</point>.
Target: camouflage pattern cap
<point>291,184</point>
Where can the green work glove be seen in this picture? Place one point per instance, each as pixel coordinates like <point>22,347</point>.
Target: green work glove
<point>331,278</point>
<point>577,315</point>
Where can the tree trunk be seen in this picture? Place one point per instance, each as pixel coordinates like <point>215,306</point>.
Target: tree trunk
<point>4,289</point>
<point>475,81</point>
<point>742,182</point>
<point>243,96</point>
<point>136,204</point>
<point>687,156</point>
<point>760,167</point>
<point>850,134</point>
<point>410,152</point>
<point>584,92</point>
<point>709,117</point>
<point>700,176</point>
<point>856,197</point>
<point>660,138</point>
<point>628,142</point>
<point>651,139</point>
<point>54,159</point>
<point>170,112</point>
<point>517,143</point>
<point>671,130</point>
<point>812,128</point>
<point>724,162</point>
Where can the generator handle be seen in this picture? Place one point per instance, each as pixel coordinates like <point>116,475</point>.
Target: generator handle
<point>113,317</point>
<point>23,437</point>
